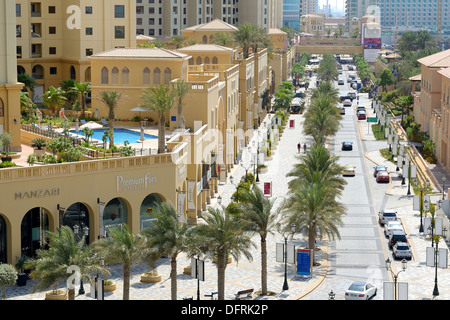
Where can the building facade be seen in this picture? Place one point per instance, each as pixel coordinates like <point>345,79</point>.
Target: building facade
<point>55,38</point>
<point>357,9</point>
<point>291,13</point>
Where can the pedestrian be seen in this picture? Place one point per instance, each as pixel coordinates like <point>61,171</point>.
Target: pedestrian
<point>304,147</point>
<point>299,146</point>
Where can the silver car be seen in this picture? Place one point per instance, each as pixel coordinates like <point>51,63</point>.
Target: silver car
<point>402,250</point>
<point>387,215</point>
<point>391,226</point>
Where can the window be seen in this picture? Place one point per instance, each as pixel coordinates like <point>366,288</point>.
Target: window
<point>18,10</point>
<point>88,10</point>
<point>51,9</point>
<point>19,52</point>
<point>157,76</point>
<point>89,52</point>
<point>146,76</point>
<point>167,76</point>
<point>119,32</point>
<point>2,108</point>
<point>105,76</point>
<point>52,30</point>
<point>53,70</point>
<point>52,50</point>
<point>89,31</point>
<point>18,31</point>
<point>115,76</point>
<point>119,11</point>
<point>125,76</point>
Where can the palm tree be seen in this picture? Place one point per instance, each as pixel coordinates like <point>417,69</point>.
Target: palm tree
<point>224,39</point>
<point>83,89</point>
<point>221,236</point>
<point>328,69</point>
<point>315,212</point>
<point>71,96</point>
<point>178,41</point>
<point>28,81</point>
<point>160,100</point>
<point>167,237</point>
<point>111,100</point>
<point>50,266</point>
<point>122,247</point>
<point>245,37</point>
<point>181,88</point>
<point>54,98</point>
<point>258,214</point>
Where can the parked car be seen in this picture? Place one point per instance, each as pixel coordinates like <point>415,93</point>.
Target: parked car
<point>342,110</point>
<point>341,82</point>
<point>360,290</point>
<point>387,215</point>
<point>379,168</point>
<point>383,176</point>
<point>347,145</point>
<point>401,250</point>
<point>397,236</point>
<point>392,225</point>
<point>295,109</point>
<point>349,80</point>
<point>352,95</point>
<point>347,97</point>
<point>350,68</point>
<point>360,108</point>
<point>347,103</point>
<point>349,170</point>
<point>362,115</point>
<point>299,94</point>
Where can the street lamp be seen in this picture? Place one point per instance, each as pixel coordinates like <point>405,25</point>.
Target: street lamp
<point>395,276</point>
<point>76,230</point>
<point>285,285</point>
<point>443,187</point>
<point>444,234</point>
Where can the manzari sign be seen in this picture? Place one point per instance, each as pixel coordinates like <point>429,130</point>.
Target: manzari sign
<point>36,194</point>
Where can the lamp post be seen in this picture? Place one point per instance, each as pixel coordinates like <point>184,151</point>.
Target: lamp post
<point>395,275</point>
<point>436,290</point>
<point>76,230</point>
<point>285,284</point>
<point>443,187</point>
<point>237,188</point>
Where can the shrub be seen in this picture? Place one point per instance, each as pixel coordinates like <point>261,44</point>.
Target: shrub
<point>8,277</point>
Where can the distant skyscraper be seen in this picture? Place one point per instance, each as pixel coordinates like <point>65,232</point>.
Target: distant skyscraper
<point>309,7</point>
<point>356,9</point>
<point>291,13</point>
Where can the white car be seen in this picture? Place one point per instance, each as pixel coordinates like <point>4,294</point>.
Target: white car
<point>401,250</point>
<point>360,290</point>
<point>387,215</point>
<point>392,225</point>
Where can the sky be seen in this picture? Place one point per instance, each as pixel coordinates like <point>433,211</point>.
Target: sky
<point>340,4</point>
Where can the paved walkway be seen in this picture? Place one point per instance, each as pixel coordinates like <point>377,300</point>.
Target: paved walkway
<point>246,274</point>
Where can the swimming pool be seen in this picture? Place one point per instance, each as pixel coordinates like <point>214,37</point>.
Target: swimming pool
<point>120,135</point>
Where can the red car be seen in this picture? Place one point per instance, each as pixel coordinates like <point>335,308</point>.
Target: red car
<point>382,176</point>
<point>361,115</point>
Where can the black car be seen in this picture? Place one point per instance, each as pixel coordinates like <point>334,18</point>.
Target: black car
<point>347,145</point>
<point>295,109</point>
<point>343,98</point>
<point>299,95</point>
<point>397,236</point>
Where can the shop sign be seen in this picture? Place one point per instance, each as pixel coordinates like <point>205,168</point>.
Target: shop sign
<point>134,184</point>
<point>36,194</point>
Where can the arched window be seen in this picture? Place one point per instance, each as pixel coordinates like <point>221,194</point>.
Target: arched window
<point>167,76</point>
<point>207,60</point>
<point>146,76</point>
<point>87,74</point>
<point>115,76</point>
<point>157,76</point>
<point>125,76</point>
<point>215,60</point>
<point>199,60</point>
<point>38,72</point>
<point>105,75</point>
<point>205,39</point>
<point>2,108</point>
<point>73,73</point>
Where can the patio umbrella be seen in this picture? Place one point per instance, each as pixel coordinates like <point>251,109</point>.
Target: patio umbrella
<point>92,125</point>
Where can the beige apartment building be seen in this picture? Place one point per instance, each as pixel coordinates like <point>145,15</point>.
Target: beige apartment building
<point>168,18</point>
<point>203,33</point>
<point>313,23</point>
<point>431,104</point>
<point>56,37</point>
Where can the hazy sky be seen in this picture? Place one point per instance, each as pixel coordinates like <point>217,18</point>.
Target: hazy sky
<point>340,4</point>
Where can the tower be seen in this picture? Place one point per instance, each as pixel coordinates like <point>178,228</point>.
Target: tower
<point>9,87</point>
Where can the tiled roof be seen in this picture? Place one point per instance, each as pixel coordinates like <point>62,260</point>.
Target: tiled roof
<point>141,53</point>
<point>437,60</point>
<point>205,47</point>
<point>215,25</point>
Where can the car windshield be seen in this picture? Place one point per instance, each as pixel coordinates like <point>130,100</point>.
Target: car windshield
<point>402,247</point>
<point>357,287</point>
<point>381,168</point>
<point>389,214</point>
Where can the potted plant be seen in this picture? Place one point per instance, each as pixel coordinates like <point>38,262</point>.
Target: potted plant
<point>39,144</point>
<point>8,277</point>
<point>6,142</point>
<point>22,276</point>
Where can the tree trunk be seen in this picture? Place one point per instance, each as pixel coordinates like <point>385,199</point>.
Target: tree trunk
<point>173,277</point>
<point>126,282</point>
<point>180,111</point>
<point>111,129</point>
<point>161,135</point>
<point>221,266</point>
<point>71,294</point>
<point>263,266</point>
<point>312,243</point>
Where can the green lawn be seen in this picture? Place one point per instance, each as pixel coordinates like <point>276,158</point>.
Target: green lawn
<point>378,131</point>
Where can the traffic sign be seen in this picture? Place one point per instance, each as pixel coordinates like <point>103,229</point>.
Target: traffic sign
<point>372,119</point>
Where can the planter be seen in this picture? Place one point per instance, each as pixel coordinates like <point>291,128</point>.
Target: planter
<point>22,279</point>
<point>150,277</point>
<point>187,270</point>
<point>109,286</point>
<point>57,295</point>
<point>6,158</point>
<point>39,152</point>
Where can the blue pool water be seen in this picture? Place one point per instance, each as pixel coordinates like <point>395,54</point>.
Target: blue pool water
<point>120,135</point>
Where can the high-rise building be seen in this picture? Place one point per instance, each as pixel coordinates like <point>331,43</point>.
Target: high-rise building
<point>56,37</point>
<point>398,16</point>
<point>309,7</point>
<point>291,13</point>
<point>166,18</point>
<point>357,9</point>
